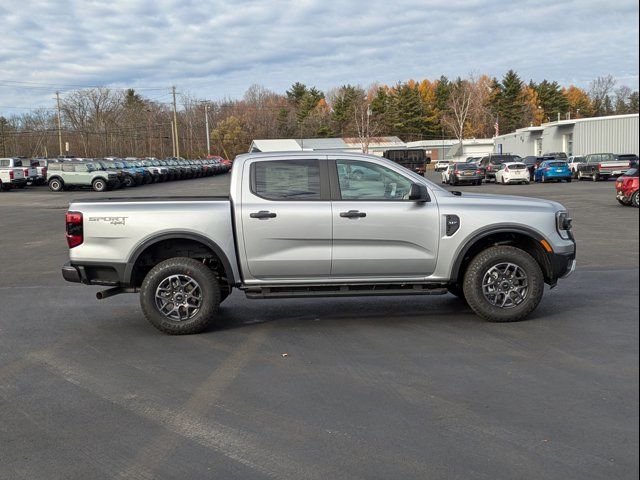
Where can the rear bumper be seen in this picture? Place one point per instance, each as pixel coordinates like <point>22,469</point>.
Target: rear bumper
<point>106,274</point>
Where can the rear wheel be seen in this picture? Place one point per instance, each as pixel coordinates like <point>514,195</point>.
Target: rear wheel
<point>503,284</point>
<point>634,199</point>
<point>180,296</point>
<point>569,180</point>
<point>595,177</point>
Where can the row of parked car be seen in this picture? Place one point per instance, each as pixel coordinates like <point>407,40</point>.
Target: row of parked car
<point>555,167</point>
<point>102,174</point>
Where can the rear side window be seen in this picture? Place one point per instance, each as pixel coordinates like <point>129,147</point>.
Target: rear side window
<point>286,180</point>
<point>54,167</point>
<point>68,167</point>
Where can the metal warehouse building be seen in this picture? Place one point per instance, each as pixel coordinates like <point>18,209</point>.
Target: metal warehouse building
<point>614,134</point>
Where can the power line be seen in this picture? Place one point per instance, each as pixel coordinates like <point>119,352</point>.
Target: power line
<point>28,84</point>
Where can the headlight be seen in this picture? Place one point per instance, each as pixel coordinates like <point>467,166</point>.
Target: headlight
<point>564,224</point>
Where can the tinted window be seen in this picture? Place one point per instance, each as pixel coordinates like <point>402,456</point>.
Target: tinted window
<point>632,172</point>
<point>369,181</point>
<point>67,167</point>
<point>466,166</point>
<point>500,159</point>
<point>286,180</point>
<point>556,164</point>
<point>54,167</point>
<point>518,166</point>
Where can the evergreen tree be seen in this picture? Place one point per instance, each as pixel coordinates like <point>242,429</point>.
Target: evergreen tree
<point>552,100</point>
<point>344,104</point>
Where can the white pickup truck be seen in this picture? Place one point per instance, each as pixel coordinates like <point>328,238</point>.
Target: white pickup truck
<point>319,224</point>
<point>11,178</point>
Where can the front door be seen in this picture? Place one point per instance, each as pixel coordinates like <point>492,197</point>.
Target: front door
<point>377,231</point>
<point>286,219</point>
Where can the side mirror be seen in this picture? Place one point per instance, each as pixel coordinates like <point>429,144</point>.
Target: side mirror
<point>419,193</point>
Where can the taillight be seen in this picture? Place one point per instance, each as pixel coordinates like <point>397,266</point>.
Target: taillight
<point>26,172</point>
<point>599,166</point>
<point>456,172</point>
<point>11,174</point>
<point>44,171</point>
<point>74,229</point>
<point>479,172</point>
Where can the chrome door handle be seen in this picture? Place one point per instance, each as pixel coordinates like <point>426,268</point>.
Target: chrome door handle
<point>353,214</point>
<point>263,214</point>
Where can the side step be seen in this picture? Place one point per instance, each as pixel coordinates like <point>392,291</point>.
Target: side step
<point>357,290</point>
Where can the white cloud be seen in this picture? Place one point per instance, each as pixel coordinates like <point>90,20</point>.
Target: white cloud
<point>218,48</point>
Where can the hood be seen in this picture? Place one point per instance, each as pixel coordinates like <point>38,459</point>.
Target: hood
<point>498,202</point>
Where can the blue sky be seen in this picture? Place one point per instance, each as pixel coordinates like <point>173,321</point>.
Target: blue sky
<point>217,49</point>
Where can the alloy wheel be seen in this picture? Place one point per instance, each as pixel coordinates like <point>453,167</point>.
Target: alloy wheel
<point>505,285</point>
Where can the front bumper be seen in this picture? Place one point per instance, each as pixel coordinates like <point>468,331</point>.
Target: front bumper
<point>562,265</point>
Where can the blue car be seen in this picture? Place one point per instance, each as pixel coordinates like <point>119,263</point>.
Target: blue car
<point>553,171</point>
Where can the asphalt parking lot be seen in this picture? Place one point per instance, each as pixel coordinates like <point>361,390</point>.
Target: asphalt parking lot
<point>369,388</point>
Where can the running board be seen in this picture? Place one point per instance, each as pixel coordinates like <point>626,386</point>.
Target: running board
<point>357,290</point>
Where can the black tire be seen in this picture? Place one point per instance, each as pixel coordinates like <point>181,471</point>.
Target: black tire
<point>569,180</point>
<point>99,185</point>
<point>56,185</point>
<point>623,203</point>
<point>210,293</point>
<point>480,266</point>
<point>129,181</point>
<point>595,177</point>
<point>634,199</point>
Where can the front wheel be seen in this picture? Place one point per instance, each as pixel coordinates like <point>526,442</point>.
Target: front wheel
<point>503,284</point>
<point>99,185</point>
<point>180,296</point>
<point>635,199</point>
<point>55,185</point>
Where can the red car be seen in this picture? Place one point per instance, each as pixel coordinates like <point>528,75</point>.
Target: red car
<point>627,188</point>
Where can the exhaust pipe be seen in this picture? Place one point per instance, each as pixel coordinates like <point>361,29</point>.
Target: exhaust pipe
<point>110,292</point>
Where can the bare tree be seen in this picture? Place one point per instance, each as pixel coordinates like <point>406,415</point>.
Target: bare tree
<point>367,125</point>
<point>600,93</point>
<point>461,99</point>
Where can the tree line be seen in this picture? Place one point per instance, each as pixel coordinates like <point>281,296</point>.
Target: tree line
<point>101,121</point>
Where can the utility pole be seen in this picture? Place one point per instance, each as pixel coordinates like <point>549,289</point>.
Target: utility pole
<point>206,125</point>
<point>175,124</point>
<point>149,132</point>
<point>59,123</point>
<point>173,141</point>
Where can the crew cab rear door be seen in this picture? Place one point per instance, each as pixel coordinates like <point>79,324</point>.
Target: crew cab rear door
<point>377,231</point>
<point>286,218</point>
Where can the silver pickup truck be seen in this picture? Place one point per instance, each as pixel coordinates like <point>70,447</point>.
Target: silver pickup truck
<point>304,224</point>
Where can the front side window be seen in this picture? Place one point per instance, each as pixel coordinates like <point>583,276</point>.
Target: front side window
<point>368,181</point>
<point>286,180</point>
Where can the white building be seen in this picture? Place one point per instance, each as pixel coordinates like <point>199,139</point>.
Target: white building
<point>613,134</point>
<point>377,145</point>
<point>454,150</point>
